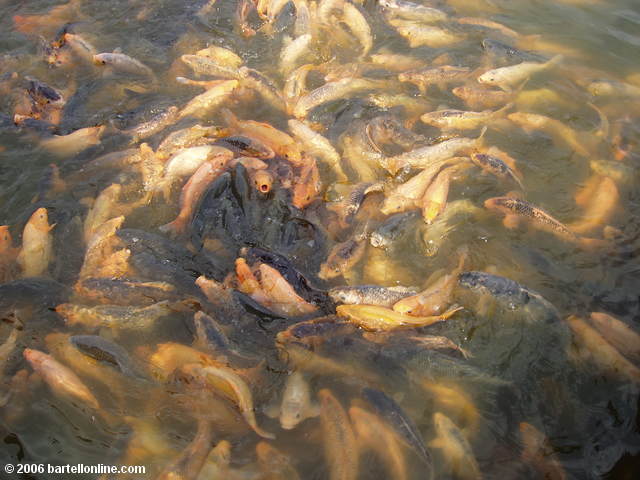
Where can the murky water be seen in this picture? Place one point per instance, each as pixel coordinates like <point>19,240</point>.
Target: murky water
<point>379,404</point>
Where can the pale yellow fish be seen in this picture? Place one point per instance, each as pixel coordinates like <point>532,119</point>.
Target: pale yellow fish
<point>375,318</point>
<point>37,245</point>
<point>593,346</point>
<point>456,450</point>
<point>372,433</point>
<point>318,146</point>
<point>340,446</point>
<point>618,333</point>
<point>204,104</point>
<point>59,378</point>
<point>508,77</point>
<point>421,35</point>
<point>293,52</point>
<point>73,143</point>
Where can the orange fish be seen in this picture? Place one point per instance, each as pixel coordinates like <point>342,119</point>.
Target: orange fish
<point>37,245</point>
<point>308,186</point>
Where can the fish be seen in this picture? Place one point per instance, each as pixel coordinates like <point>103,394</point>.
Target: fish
<point>497,166</point>
<point>59,378</point>
<point>307,186</point>
<point>255,80</point>
<point>105,351</point>
<point>462,120</point>
<point>540,455</point>
<point>36,253</point>
<point>395,61</point>
<point>441,76</point>
<point>206,65</point>
<point>555,128</point>
<point>125,64</point>
<point>339,439</point>
<point>80,47</point>
<point>373,434</point>
<point>224,56</point>
<point>342,258</point>
<point>418,34</point>
<point>607,88</point>
<point>114,316</point>
<point>282,297</point>
<point>401,423</point>
<point>412,106</point>
<point>426,156</point>
<point>435,299</point>
<point>483,22</point>
<point>455,448</point>
<point>73,143</point>
<point>413,11</point>
<point>622,173</point>
<point>516,210</point>
<point>188,464</point>
<point>192,193</point>
<point>508,77</point>
<point>348,207</point>
<point>8,255</point>
<point>318,146</point>
<point>292,53</point>
<point>505,289</point>
<point>296,405</point>
<point>480,97</point>
<point>7,347</point>
<point>375,318</point>
<point>359,27</point>
<point>332,91</point>
<point>603,201</point>
<point>455,401</point>
<point>440,343</point>
<point>407,195</point>
<point>156,124</point>
<point>314,332</point>
<point>236,390</point>
<point>190,137</point>
<point>370,295</point>
<point>187,161</point>
<point>624,338</point>
<point>206,103</point>
<point>434,200</point>
<point>246,146</point>
<point>104,208</point>
<point>262,179</point>
<point>280,142</point>
<point>393,228</point>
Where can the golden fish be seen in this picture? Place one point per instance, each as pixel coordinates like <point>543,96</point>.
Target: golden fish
<point>374,318</point>
<point>37,245</point>
<point>340,446</point>
<point>455,448</point>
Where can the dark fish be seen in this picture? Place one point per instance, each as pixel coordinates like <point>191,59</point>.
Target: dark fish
<point>315,331</point>
<point>388,409</point>
<point>125,291</point>
<point>246,146</point>
<point>105,351</point>
<point>507,53</point>
<point>495,285</point>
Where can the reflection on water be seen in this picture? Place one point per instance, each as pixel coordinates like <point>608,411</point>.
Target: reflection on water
<point>321,239</point>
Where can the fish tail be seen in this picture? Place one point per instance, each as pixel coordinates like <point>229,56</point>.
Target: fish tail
<point>480,141</point>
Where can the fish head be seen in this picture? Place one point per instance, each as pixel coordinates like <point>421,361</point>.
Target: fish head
<point>5,238</point>
<point>263,181</point>
<point>40,220</point>
<point>489,78</point>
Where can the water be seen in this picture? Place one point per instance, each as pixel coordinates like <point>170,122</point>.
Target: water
<point>523,366</point>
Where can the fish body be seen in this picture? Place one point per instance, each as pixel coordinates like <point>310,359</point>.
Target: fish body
<point>424,77</point>
<point>338,437</point>
<point>189,137</point>
<point>318,146</point>
<point>37,245</point>
<point>461,119</point>
<point>480,97</point>
<point>392,229</point>
<point>427,156</point>
<point>204,104</point>
<point>343,257</point>
<point>331,91</point>
<point>507,77</point>
<point>370,295</point>
<point>154,125</point>
<point>539,454</point>
<point>413,11</point>
<point>618,334</point>
<point>59,378</point>
<point>123,63</point>
<point>282,297</point>
<point>81,47</point>
<point>296,405</point>
<point>496,166</point>
<point>373,434</point>
<point>357,23</point>
<point>73,143</point>
<point>105,351</point>
<point>293,52</point>
<point>555,128</point>
<point>114,316</point>
<point>374,318</point>
<point>205,65</point>
<point>538,217</point>
<point>593,346</point>
<point>455,448</point>
<point>255,80</point>
<point>420,35</point>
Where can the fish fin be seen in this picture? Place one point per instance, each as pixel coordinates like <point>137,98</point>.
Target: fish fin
<point>117,50</point>
<point>480,142</point>
<point>229,118</point>
<point>501,112</point>
<point>511,222</point>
